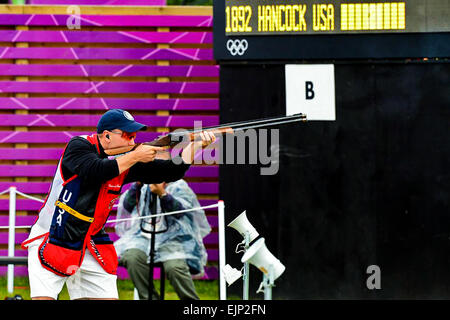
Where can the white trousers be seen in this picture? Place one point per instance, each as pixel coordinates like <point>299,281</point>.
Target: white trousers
<point>90,280</point>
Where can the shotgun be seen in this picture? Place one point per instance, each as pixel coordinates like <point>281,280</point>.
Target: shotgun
<point>173,138</point>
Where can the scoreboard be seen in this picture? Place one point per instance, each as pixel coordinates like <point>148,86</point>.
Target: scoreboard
<point>340,29</point>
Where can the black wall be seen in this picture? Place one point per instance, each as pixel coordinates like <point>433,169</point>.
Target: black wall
<point>370,188</point>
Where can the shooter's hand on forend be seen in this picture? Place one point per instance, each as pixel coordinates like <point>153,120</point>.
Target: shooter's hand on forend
<point>200,140</point>
<point>206,137</point>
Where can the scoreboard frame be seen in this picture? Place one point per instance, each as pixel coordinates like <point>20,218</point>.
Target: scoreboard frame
<point>329,45</point>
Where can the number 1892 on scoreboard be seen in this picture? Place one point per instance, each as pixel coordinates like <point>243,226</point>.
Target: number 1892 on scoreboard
<point>263,17</point>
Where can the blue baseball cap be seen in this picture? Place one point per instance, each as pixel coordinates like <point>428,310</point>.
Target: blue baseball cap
<point>119,119</point>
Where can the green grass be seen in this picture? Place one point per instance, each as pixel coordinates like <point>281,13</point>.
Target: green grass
<point>206,289</point>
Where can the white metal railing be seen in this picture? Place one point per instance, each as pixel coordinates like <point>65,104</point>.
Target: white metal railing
<point>13,192</point>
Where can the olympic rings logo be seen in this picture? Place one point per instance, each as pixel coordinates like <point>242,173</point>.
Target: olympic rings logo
<point>237,47</point>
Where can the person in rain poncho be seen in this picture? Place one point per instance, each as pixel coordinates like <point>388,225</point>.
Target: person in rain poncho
<point>178,243</point>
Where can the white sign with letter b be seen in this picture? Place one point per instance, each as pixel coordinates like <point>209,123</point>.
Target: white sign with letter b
<point>310,90</point>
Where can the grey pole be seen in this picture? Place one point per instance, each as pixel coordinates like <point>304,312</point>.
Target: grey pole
<point>246,273</point>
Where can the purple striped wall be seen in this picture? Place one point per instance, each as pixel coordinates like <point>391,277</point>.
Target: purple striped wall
<point>43,187</point>
<point>106,53</point>
<point>104,36</point>
<point>110,87</point>
<point>166,78</point>
<point>211,238</point>
<point>49,171</point>
<point>106,20</point>
<point>45,120</point>
<point>57,136</point>
<point>108,70</point>
<point>32,205</point>
<point>101,2</point>
<point>140,104</point>
<point>30,220</point>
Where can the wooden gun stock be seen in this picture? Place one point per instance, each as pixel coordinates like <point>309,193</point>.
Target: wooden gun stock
<point>165,141</point>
